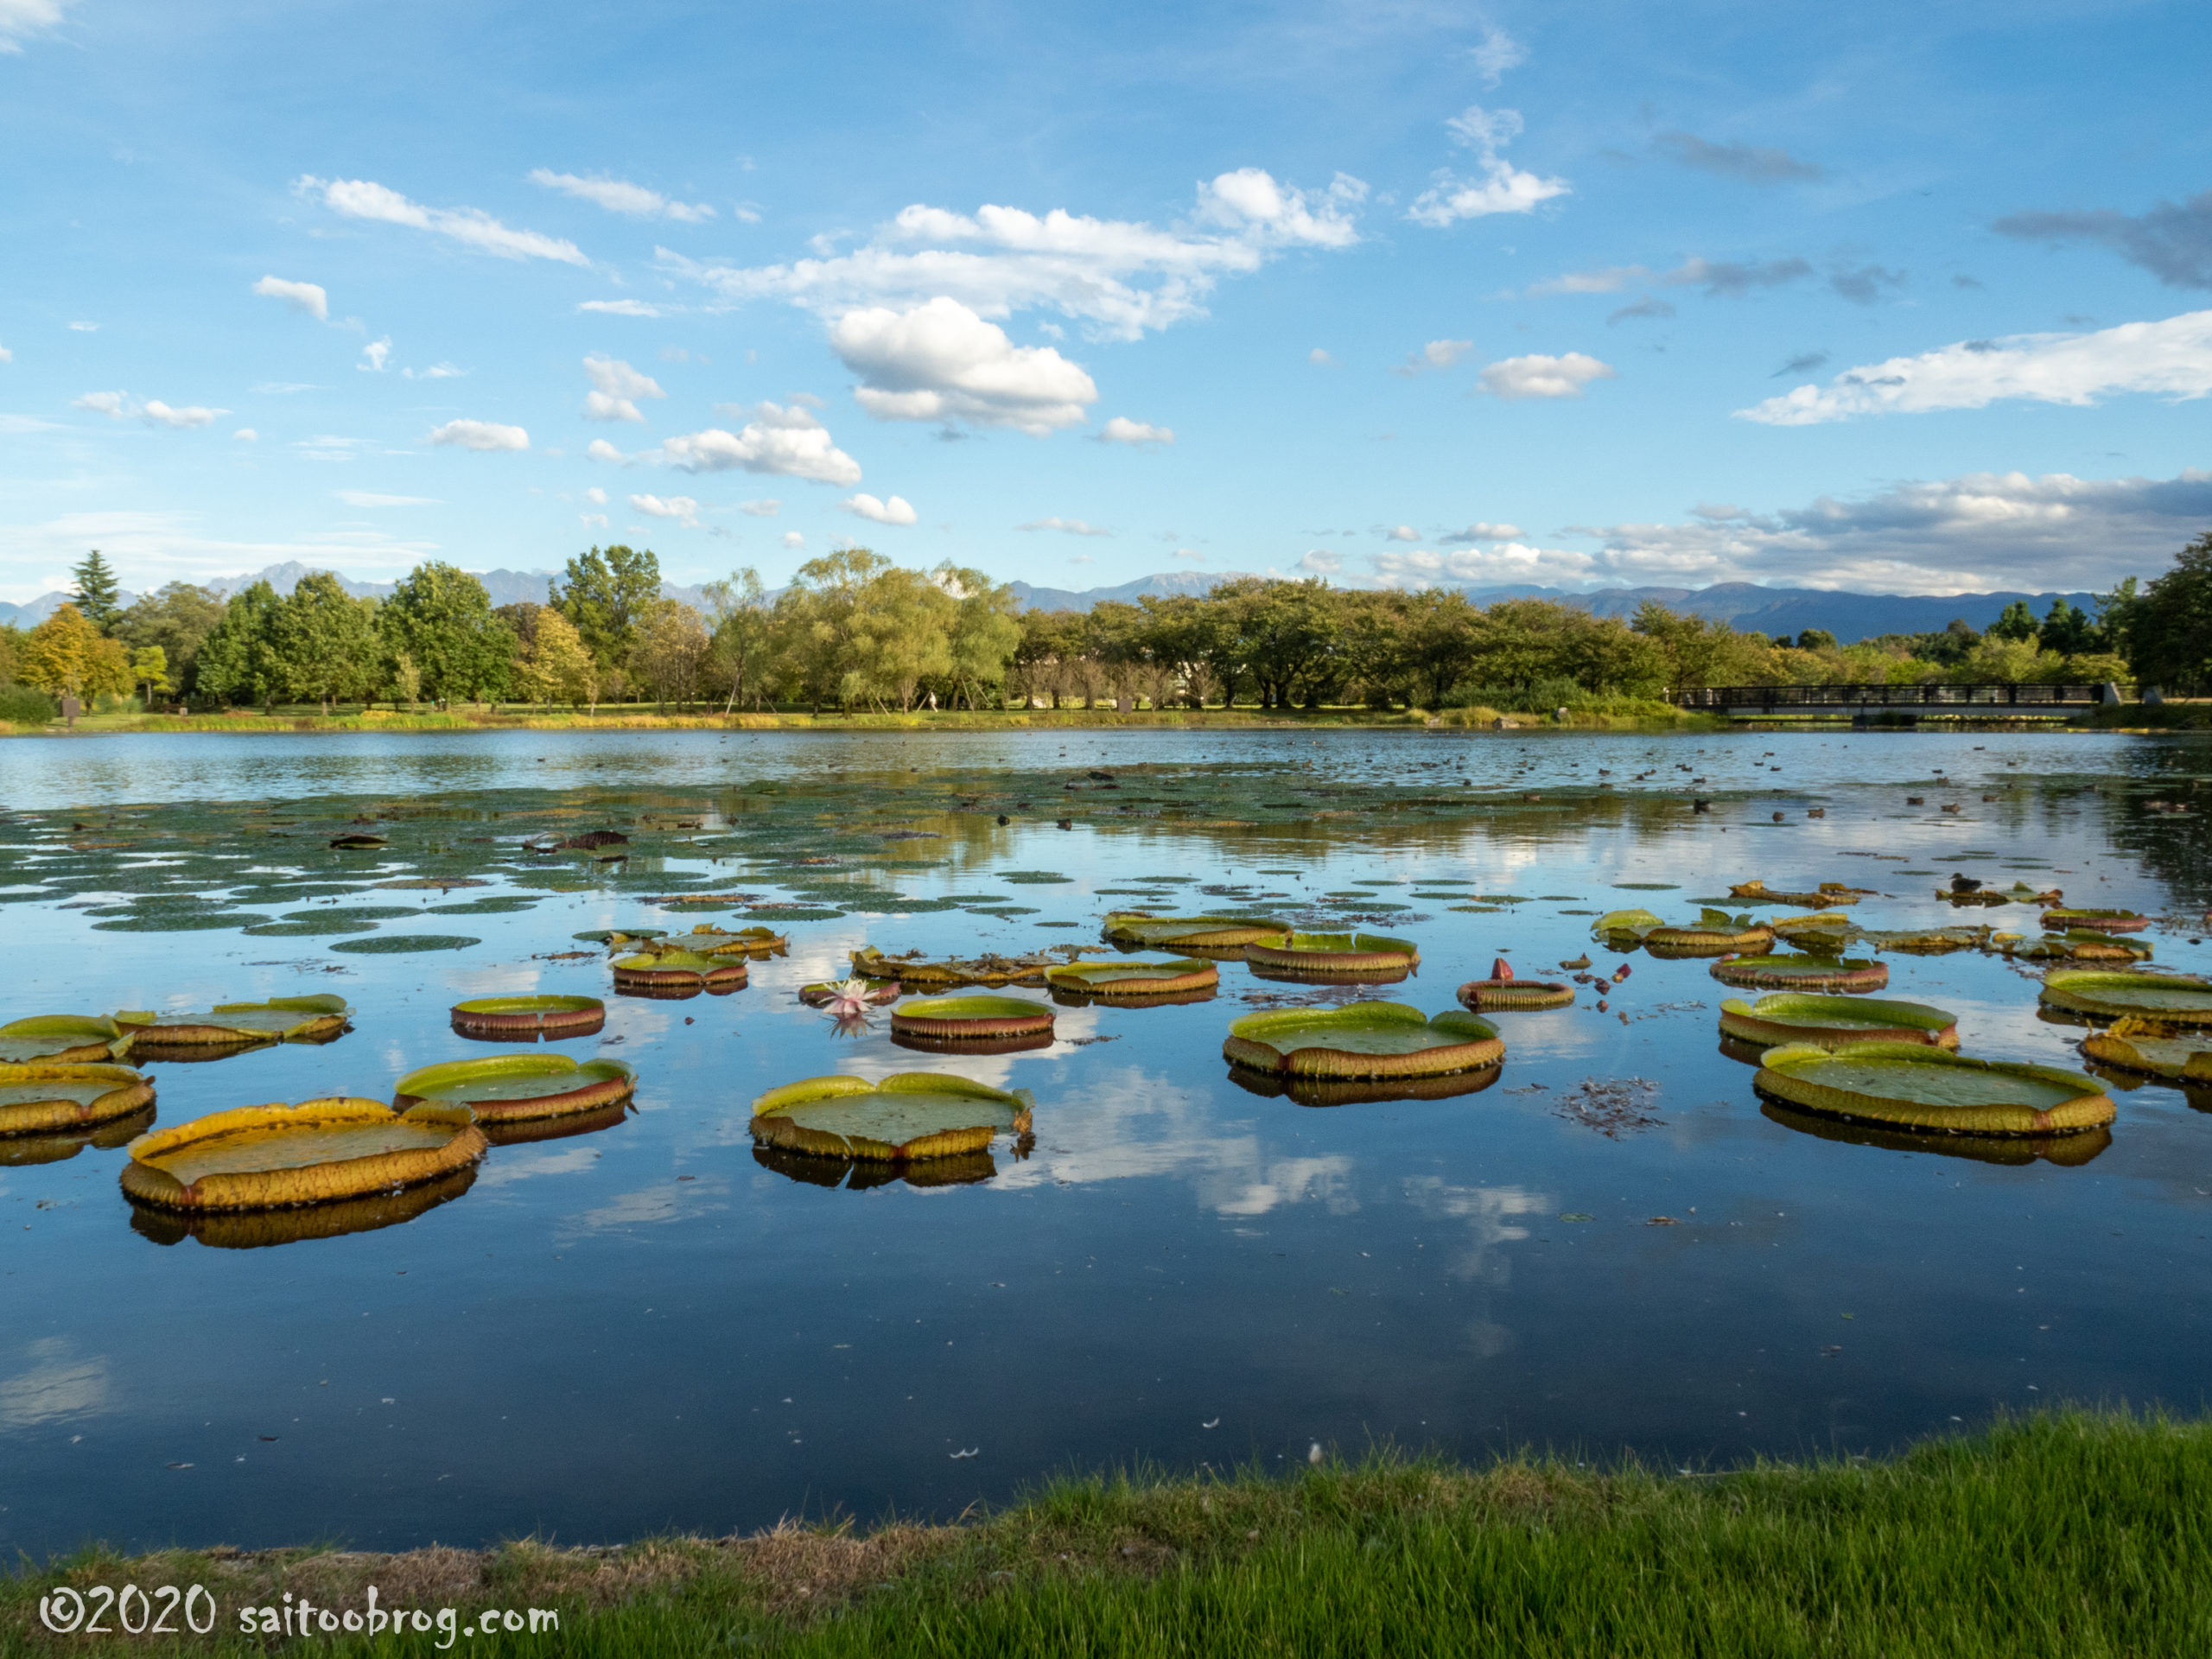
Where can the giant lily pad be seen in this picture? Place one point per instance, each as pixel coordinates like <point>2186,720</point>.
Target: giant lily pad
<point>254,1229</point>
<point>181,921</point>
<point>622,935</point>
<point>1802,972</point>
<point>906,1116</point>
<point>1198,935</point>
<point>526,1019</point>
<point>679,973</point>
<point>2103,921</point>
<point>1623,929</point>
<point>398,945</point>
<point>1835,1022</point>
<point>916,969</point>
<point>707,940</point>
<point>1828,893</point>
<point>1915,1085</point>
<point>272,1157</point>
<point>2078,945</point>
<point>63,1039</point>
<point>22,1151</point>
<point>280,1018</point>
<point>2154,1048</point>
<point>2111,994</point>
<point>1715,933</point>
<point>971,1019</point>
<point>1363,1039</point>
<point>1926,941</point>
<point>1334,956</point>
<point>503,1088</point>
<point>45,1097</point>
<point>2068,1151</point>
<point>1131,980</point>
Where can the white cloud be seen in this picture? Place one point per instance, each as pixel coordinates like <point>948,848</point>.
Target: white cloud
<point>682,508</point>
<point>1437,354</point>
<point>482,436</point>
<point>601,450</point>
<point>1538,375</point>
<point>155,546</point>
<point>310,297</point>
<point>470,226</point>
<point>1322,562</point>
<point>621,308</point>
<point>1320,359</point>
<point>592,520</point>
<point>1483,532</point>
<point>1499,53</point>
<point>1121,277</point>
<point>1502,187</point>
<point>786,441</point>
<point>371,499</point>
<point>2172,359</point>
<point>1121,429</point>
<point>1513,562</point>
<point>84,328</point>
<point>20,19</point>
<point>6,356</point>
<point>1190,554</point>
<point>121,406</point>
<point>375,355</point>
<point>328,447</point>
<point>246,434</point>
<point>793,539</point>
<point>1068,526</point>
<point>618,196</point>
<point>436,372</point>
<point>596,496</point>
<point>1402,533</point>
<point>614,385</point>
<point>894,511</point>
<point>941,362</point>
<point>766,507</point>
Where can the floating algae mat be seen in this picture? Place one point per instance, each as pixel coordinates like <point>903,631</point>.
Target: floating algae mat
<point>504,1088</point>
<point>1835,1022</point>
<point>2102,994</point>
<point>1363,1039</point>
<point>1003,1025</point>
<point>1333,955</point>
<point>1912,1085</point>
<point>44,1097</point>
<point>1138,929</point>
<point>678,973</point>
<point>229,1024</point>
<point>2154,1048</point>
<point>1802,972</point>
<point>908,1116</point>
<point>526,1019</point>
<point>272,1157</point>
<point>63,1038</point>
<point>1132,980</point>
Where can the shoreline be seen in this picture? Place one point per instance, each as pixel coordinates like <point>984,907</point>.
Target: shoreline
<point>2065,1531</point>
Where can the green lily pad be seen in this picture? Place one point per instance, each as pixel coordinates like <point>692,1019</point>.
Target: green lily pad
<point>397,945</point>
<point>518,1087</point>
<point>1030,878</point>
<point>1363,1039</point>
<point>500,907</point>
<point>2176,999</point>
<point>907,1115</point>
<point>1835,1022</point>
<point>1922,1087</point>
<point>62,1039</point>
<point>182,921</point>
<point>319,927</point>
<point>794,913</point>
<point>362,914</point>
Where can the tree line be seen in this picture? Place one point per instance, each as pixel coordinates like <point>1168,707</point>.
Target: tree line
<point>854,631</point>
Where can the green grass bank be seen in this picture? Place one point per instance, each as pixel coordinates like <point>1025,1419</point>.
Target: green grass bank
<point>2075,1534</point>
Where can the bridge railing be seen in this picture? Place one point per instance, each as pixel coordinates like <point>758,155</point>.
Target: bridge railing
<point>2004,696</point>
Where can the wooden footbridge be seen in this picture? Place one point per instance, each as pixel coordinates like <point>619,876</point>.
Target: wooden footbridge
<point>1905,703</point>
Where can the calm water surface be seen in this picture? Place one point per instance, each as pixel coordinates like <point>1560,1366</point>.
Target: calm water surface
<point>649,1327</point>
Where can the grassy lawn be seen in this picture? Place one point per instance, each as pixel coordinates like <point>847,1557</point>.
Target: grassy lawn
<point>2072,1534</point>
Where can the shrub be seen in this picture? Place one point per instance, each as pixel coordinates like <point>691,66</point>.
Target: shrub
<point>24,705</point>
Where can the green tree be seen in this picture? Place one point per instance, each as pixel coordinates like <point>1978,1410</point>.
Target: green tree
<point>2068,630</point>
<point>178,620</point>
<point>983,633</point>
<point>2169,626</point>
<point>2017,622</point>
<point>99,596</point>
<point>605,594</point>
<point>550,664</point>
<point>327,643</point>
<point>150,671</point>
<point>670,651</point>
<point>1696,651</point>
<point>441,618</point>
<point>237,662</point>
<point>822,625</point>
<point>65,655</point>
<point>742,633</point>
<point>1816,639</point>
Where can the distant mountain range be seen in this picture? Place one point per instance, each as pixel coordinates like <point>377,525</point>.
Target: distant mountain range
<point>1740,604</point>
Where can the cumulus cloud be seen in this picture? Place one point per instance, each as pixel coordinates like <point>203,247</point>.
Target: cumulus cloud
<point>1721,279</point>
<point>310,297</point>
<point>375,355</point>
<point>1322,562</point>
<point>1513,562</point>
<point>1539,376</point>
<point>1498,187</point>
<point>786,441</point>
<point>21,19</point>
<point>470,226</point>
<point>2172,241</point>
<point>1320,359</point>
<point>487,436</point>
<point>1121,429</point>
<point>792,539</point>
<point>246,434</point>
<point>620,196</point>
<point>1121,277</point>
<point>1066,526</point>
<point>682,508</point>
<point>6,356</point>
<point>1189,553</point>
<point>1437,354</point>
<point>896,511</point>
<point>601,450</point>
<point>596,496</point>
<point>941,361</point>
<point>1402,533</point>
<point>1736,161</point>
<point>615,387</point>
<point>1482,532</point>
<point>121,406</point>
<point>621,308</point>
<point>2171,358</point>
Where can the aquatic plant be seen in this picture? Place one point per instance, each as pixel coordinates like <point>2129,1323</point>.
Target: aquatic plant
<point>527,1019</point>
<point>908,1116</point>
<point>1363,1039</point>
<point>64,1039</point>
<point>1916,1085</point>
<point>513,1088</point>
<point>1333,955</point>
<point>1130,979</point>
<point>2154,1048</point>
<point>275,1156</point>
<point>2108,994</point>
<point>972,1019</point>
<point>45,1097</point>
<point>1786,1017</point>
<point>1802,972</point>
<point>280,1018</point>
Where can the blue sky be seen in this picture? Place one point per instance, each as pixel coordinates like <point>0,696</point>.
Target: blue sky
<point>1885,297</point>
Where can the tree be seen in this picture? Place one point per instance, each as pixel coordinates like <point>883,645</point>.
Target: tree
<point>2068,630</point>
<point>670,650</point>
<point>178,620</point>
<point>983,633</point>
<point>99,594</point>
<point>820,622</point>
<point>327,644</point>
<point>742,624</point>
<point>65,655</point>
<point>1699,651</point>
<point>150,671</point>
<point>604,596</point>
<point>551,664</point>
<point>441,618</point>
<point>238,660</point>
<point>1816,639</point>
<point>2169,625</point>
<point>2017,622</point>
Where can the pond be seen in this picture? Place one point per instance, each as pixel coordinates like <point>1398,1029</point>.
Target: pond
<point>655,1323</point>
